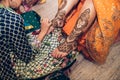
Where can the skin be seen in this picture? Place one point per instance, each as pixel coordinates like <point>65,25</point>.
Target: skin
<point>63,11</point>
<point>86,17</point>
<point>45,25</point>
<point>16,4</point>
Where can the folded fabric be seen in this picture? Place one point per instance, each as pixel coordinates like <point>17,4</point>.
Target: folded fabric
<point>31,21</point>
<point>96,41</point>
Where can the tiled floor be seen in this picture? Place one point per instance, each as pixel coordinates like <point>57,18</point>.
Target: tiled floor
<point>83,69</point>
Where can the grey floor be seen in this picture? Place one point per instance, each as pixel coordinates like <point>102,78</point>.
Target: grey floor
<point>84,69</point>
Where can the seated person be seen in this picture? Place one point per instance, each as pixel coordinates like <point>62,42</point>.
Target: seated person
<point>35,26</point>
<point>78,25</point>
<point>43,63</point>
<point>94,32</point>
<point>13,39</point>
<point>56,47</point>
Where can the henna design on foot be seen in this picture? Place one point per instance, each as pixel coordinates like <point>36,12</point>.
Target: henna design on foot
<point>67,47</point>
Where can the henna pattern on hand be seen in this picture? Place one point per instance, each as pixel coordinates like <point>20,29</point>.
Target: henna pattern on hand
<point>59,19</point>
<point>67,47</point>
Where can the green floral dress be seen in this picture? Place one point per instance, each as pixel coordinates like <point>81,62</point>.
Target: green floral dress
<point>43,63</point>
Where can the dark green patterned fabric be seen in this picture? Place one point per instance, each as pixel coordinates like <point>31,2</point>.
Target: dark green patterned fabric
<point>12,40</point>
<point>31,21</point>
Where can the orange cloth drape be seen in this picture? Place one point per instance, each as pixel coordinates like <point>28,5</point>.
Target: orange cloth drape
<point>97,41</point>
<point>72,18</point>
<point>101,37</point>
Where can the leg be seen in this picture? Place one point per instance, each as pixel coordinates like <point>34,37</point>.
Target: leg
<point>63,10</point>
<point>86,18</point>
<point>45,25</point>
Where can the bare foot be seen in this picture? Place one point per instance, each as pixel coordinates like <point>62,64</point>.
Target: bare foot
<point>64,49</point>
<point>57,54</point>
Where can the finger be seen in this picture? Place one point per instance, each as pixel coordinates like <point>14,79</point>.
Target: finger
<point>65,54</point>
<point>46,19</point>
<point>61,55</point>
<point>53,53</point>
<point>58,55</point>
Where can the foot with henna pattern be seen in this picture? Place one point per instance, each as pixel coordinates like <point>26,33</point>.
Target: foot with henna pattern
<point>64,49</point>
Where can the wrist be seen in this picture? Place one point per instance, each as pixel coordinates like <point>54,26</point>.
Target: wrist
<point>41,36</point>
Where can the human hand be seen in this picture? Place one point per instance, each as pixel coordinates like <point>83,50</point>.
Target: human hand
<point>45,25</point>
<point>59,19</point>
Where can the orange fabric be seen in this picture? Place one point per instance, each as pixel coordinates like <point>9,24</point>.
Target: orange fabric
<point>71,20</point>
<point>101,37</point>
<point>97,41</point>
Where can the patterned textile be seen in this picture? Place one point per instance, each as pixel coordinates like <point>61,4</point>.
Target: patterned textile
<point>44,63</point>
<point>16,54</point>
<point>12,39</point>
<point>97,40</point>
<point>31,21</point>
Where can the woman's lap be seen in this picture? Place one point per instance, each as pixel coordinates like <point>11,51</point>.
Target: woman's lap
<point>43,63</point>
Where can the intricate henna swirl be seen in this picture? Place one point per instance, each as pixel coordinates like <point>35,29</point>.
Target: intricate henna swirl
<point>81,24</point>
<point>59,19</point>
<point>67,47</point>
